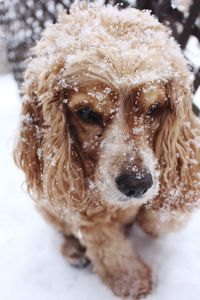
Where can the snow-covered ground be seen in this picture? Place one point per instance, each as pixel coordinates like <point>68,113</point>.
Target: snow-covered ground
<point>31,266</point>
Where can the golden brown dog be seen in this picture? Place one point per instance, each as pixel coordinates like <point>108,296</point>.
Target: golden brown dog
<point>108,137</point>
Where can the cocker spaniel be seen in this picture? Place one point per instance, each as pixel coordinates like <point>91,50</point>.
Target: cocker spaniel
<point>108,137</point>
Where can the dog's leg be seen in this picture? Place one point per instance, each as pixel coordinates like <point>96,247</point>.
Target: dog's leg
<point>71,248</point>
<point>153,224</point>
<point>116,262</point>
<point>74,252</point>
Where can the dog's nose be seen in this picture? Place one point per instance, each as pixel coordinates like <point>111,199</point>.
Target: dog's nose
<point>134,184</point>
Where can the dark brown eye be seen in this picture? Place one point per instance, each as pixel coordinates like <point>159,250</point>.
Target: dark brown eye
<point>89,115</point>
<point>153,109</point>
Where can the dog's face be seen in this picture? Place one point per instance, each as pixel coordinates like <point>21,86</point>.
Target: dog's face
<point>114,132</point>
<point>103,119</point>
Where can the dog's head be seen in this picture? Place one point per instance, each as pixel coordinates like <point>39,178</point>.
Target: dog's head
<point>107,111</point>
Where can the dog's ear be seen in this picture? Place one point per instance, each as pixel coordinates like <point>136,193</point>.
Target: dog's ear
<point>177,145</point>
<point>45,150</point>
<point>27,153</point>
<point>63,180</point>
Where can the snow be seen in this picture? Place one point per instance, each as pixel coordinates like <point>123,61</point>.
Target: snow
<point>31,266</point>
<point>197,98</point>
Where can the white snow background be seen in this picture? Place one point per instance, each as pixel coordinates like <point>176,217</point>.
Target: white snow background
<point>31,266</point>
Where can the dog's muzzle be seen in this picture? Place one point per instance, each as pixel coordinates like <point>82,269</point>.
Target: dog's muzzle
<point>134,184</point>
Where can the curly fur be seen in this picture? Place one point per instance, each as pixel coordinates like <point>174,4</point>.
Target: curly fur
<point>70,172</point>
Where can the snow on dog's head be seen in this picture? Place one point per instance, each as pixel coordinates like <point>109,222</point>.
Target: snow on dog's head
<point>107,93</point>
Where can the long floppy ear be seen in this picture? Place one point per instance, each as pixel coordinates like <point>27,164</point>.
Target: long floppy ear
<point>177,149</point>
<point>63,180</point>
<point>27,153</point>
<point>45,150</point>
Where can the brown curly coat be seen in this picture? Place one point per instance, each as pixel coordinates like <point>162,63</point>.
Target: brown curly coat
<point>120,63</point>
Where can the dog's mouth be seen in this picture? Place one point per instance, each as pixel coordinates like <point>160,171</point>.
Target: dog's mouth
<point>128,180</point>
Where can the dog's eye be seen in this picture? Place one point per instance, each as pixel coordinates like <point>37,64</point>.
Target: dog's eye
<point>87,114</point>
<point>153,109</point>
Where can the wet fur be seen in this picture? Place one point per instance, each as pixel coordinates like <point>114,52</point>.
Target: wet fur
<point>67,178</point>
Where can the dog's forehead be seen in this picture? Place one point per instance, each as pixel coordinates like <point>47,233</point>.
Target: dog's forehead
<point>104,97</point>
<point>105,40</point>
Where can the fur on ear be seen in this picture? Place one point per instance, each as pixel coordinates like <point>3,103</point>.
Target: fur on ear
<point>45,150</point>
<point>178,149</point>
<point>27,154</point>
<point>63,179</point>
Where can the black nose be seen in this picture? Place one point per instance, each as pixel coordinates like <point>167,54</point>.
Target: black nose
<point>134,184</point>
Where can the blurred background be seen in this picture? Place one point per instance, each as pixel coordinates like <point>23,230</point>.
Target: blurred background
<point>31,266</point>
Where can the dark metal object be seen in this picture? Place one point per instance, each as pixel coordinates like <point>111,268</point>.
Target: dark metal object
<point>189,24</point>
<point>24,20</point>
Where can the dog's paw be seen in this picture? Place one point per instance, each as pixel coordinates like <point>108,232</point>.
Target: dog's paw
<point>74,252</point>
<point>132,284</point>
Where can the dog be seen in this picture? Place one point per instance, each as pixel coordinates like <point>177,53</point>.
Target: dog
<point>108,138</point>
